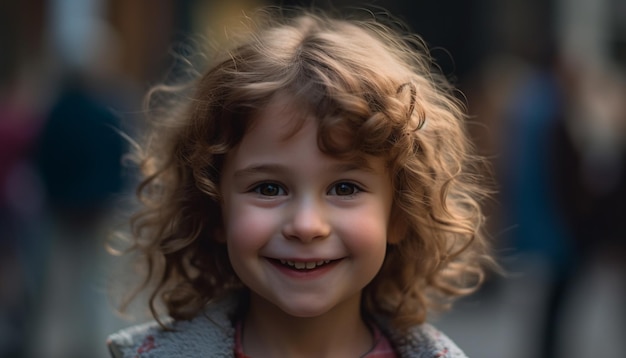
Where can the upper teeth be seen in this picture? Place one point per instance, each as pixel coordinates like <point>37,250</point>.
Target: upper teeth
<point>301,265</point>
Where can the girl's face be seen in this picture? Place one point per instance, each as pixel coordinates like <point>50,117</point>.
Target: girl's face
<point>305,232</point>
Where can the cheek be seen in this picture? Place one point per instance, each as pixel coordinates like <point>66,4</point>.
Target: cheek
<point>365,231</point>
<point>248,228</point>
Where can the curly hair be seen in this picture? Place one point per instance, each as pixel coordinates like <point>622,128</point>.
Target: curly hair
<point>373,81</point>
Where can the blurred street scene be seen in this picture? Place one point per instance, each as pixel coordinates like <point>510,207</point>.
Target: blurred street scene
<point>545,85</point>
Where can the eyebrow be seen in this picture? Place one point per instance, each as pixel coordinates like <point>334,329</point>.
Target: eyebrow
<point>270,168</point>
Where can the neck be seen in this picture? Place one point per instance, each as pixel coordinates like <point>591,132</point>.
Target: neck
<point>270,332</point>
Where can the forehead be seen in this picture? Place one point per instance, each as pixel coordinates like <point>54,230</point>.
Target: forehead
<point>285,120</point>
<point>280,119</point>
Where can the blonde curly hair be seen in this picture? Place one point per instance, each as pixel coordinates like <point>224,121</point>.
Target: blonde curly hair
<point>375,82</point>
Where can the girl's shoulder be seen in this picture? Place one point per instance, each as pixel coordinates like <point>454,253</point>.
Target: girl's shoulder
<point>423,341</point>
<point>210,334</point>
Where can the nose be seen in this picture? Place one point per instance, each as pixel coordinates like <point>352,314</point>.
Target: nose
<point>306,221</point>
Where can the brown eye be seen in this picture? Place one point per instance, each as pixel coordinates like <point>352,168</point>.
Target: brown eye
<point>269,189</point>
<point>344,189</point>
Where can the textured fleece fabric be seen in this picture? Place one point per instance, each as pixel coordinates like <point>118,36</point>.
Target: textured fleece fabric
<point>211,334</point>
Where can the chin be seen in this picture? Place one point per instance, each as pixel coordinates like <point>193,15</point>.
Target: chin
<point>304,308</point>
<point>304,311</point>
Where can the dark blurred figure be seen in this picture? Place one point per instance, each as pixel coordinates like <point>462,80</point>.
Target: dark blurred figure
<point>589,168</point>
<point>20,202</point>
<point>20,190</point>
<point>79,155</point>
<point>590,161</point>
<point>537,227</point>
<point>522,103</point>
<point>79,159</point>
<point>559,135</point>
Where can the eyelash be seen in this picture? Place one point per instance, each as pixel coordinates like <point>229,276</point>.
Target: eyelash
<point>281,191</point>
<point>355,188</point>
<point>258,189</point>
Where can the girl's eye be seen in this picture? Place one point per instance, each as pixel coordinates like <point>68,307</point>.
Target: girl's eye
<point>344,189</point>
<point>269,189</point>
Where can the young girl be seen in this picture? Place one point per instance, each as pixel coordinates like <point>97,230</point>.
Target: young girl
<point>315,196</point>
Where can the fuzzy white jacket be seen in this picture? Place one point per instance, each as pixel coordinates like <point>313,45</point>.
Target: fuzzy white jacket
<point>211,334</point>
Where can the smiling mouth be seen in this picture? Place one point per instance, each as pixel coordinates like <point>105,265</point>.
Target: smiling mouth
<point>304,265</point>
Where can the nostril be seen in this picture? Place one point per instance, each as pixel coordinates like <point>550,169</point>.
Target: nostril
<point>307,220</point>
<point>308,230</point>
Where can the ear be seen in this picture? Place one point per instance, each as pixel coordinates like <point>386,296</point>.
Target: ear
<point>398,228</point>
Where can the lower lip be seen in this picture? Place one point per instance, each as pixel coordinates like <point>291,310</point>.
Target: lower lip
<point>304,274</point>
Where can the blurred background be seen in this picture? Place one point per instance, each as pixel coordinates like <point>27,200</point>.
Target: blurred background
<point>545,83</point>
